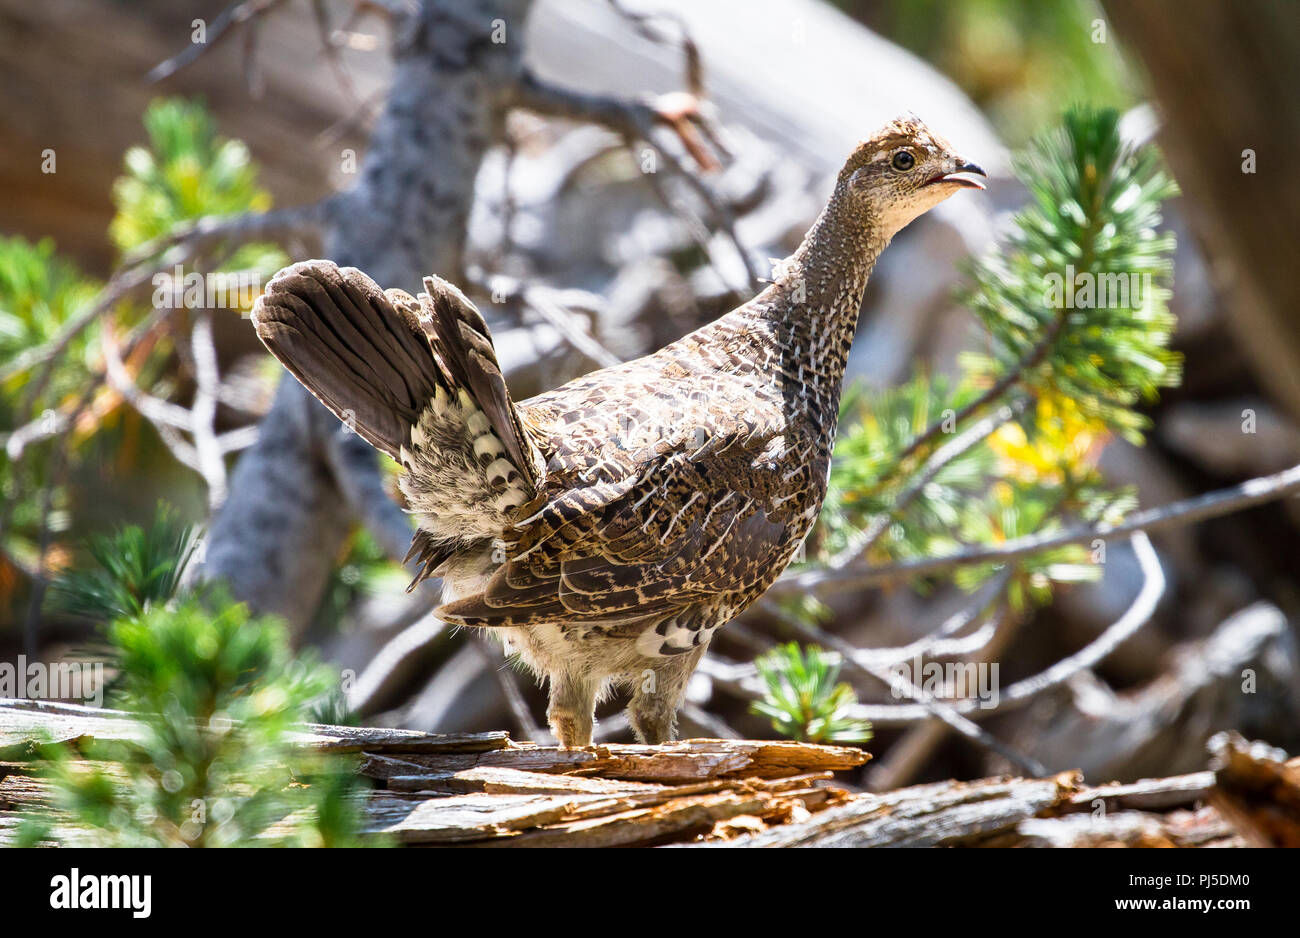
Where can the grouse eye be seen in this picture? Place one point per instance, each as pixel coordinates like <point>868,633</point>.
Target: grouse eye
<point>903,161</point>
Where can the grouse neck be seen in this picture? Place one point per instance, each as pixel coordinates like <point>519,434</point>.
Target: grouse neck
<point>799,330</point>
<point>818,290</point>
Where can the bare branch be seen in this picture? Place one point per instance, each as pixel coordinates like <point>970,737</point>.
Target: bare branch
<point>643,24</point>
<point>636,120</point>
<point>943,710</point>
<point>352,461</point>
<point>253,79</point>
<point>406,656</point>
<point>249,226</point>
<point>179,447</point>
<point>1017,695</point>
<point>206,455</point>
<point>167,418</point>
<point>173,249</point>
<point>203,410</point>
<point>56,471</point>
<point>50,423</point>
<point>541,300</point>
<point>724,219</point>
<point>357,118</point>
<point>626,118</point>
<point>55,476</point>
<point>940,642</point>
<point>505,678</point>
<point>1235,498</point>
<point>124,283</point>
<point>154,409</point>
<point>331,48</point>
<point>1137,615</point>
<point>221,26</point>
<point>613,725</point>
<point>714,726</point>
<point>956,721</point>
<point>232,441</point>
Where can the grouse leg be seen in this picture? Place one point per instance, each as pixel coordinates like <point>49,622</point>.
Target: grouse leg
<point>571,712</point>
<point>659,692</point>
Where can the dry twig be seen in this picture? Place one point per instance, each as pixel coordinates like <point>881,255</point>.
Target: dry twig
<point>1225,501</point>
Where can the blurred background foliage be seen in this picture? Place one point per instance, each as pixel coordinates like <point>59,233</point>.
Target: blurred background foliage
<point>40,292</point>
<point>186,172</point>
<point>1019,60</point>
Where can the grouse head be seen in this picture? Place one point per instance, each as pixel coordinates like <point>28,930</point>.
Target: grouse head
<point>901,172</point>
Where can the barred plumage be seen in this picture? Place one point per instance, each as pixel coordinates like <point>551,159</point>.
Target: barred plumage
<point>607,528</point>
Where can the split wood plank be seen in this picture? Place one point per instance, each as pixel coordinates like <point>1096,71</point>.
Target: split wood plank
<point>940,814</point>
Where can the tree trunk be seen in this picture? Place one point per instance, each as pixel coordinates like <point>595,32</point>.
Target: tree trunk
<point>1220,72</point>
<point>294,495</point>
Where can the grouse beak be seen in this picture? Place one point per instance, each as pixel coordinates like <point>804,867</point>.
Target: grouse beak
<point>958,180</point>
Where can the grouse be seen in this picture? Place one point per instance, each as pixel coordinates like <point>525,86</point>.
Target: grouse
<point>606,529</point>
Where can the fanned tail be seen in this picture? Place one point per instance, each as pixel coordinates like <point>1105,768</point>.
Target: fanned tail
<point>418,379</point>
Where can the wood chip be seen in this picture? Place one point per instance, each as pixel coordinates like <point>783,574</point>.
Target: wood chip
<point>500,780</point>
<point>372,739</point>
<point>1257,789</point>
<point>414,819</point>
<point>942,814</point>
<point>642,826</point>
<point>723,758</point>
<point>1149,794</point>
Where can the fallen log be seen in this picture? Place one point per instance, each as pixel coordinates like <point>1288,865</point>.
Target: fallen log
<point>485,789</point>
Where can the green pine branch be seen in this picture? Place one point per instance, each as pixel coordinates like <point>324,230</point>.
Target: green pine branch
<point>1086,266</point>
<point>1078,362</point>
<point>804,698</point>
<point>215,696</point>
<point>188,172</point>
